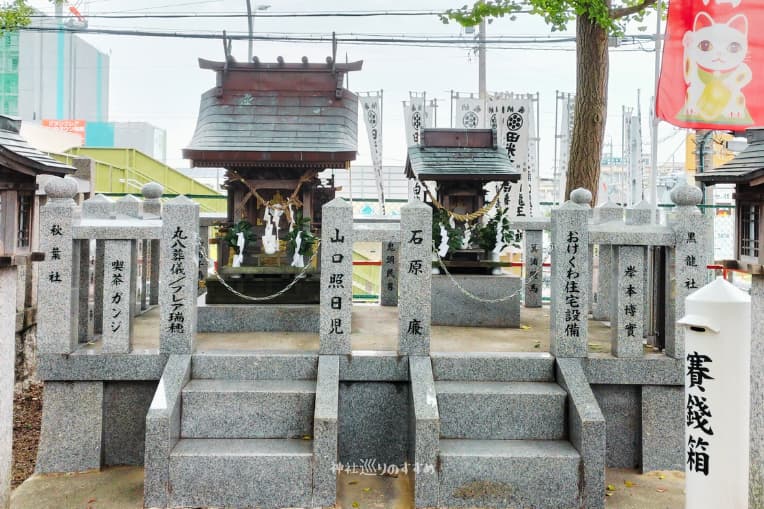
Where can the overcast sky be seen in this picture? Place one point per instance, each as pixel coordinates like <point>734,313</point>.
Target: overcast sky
<point>159,81</point>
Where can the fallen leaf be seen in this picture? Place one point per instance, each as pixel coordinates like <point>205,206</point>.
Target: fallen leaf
<point>91,501</point>
<point>307,437</point>
<point>661,477</point>
<point>525,327</point>
<point>355,504</point>
<point>367,490</point>
<point>353,482</point>
<point>608,494</point>
<point>661,490</point>
<point>537,344</point>
<point>610,487</point>
<point>628,484</point>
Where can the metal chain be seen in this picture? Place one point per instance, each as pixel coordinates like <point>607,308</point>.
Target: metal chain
<point>481,299</point>
<point>302,275</point>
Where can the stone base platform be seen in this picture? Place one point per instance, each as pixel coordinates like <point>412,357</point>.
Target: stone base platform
<point>452,307</point>
<point>258,317</point>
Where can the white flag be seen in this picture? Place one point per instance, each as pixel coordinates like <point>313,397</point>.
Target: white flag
<point>417,117</point>
<point>510,115</point>
<point>371,107</point>
<point>469,113</point>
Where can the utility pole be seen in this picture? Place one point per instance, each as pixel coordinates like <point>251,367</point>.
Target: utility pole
<point>250,23</point>
<point>482,88</point>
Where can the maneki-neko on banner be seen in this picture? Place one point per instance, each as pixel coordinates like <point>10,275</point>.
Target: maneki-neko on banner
<point>713,65</point>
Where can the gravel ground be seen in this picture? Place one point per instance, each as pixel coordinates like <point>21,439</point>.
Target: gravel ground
<point>27,416</point>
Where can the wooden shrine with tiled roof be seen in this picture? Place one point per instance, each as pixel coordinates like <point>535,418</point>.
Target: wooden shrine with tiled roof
<point>274,127</point>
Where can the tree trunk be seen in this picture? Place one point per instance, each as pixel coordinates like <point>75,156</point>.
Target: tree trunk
<point>591,107</point>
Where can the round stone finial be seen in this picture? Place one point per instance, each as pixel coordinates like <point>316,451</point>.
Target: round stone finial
<point>581,196</point>
<point>686,195</point>
<point>152,191</point>
<point>58,188</point>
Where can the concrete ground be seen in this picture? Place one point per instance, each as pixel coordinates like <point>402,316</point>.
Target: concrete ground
<point>376,328</point>
<point>122,488</point>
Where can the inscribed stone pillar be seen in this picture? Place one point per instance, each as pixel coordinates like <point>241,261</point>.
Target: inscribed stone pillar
<point>336,278</point>
<point>415,279</point>
<point>389,285</point>
<point>179,266</point>
<point>571,278</point>
<point>642,213</point>
<point>608,211</point>
<point>58,286</point>
<point>689,257</point>
<point>8,281</point>
<point>534,259</point>
<point>756,475</point>
<point>627,313</point>
<point>98,207</point>
<point>152,206</point>
<point>119,294</point>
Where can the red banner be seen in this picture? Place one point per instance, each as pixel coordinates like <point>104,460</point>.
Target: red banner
<point>713,65</point>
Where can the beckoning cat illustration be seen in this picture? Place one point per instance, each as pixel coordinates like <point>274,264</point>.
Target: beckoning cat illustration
<point>715,71</point>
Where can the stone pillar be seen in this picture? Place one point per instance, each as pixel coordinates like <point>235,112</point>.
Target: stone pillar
<point>98,289</point>
<point>607,212</point>
<point>178,271</point>
<point>689,258</point>
<point>627,312</point>
<point>58,286</point>
<point>336,278</point>
<point>8,281</point>
<point>119,293</point>
<point>144,266</point>
<point>756,455</point>
<point>389,286</point>
<point>415,279</point>
<point>98,207</point>
<point>131,206</point>
<point>642,213</point>
<point>154,268</point>
<point>571,278</point>
<point>204,249</point>
<point>152,206</point>
<point>84,330</point>
<point>534,259</point>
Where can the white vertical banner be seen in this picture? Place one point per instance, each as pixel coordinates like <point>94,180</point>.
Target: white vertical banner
<point>371,107</point>
<point>417,117</point>
<point>510,114</point>
<point>469,112</point>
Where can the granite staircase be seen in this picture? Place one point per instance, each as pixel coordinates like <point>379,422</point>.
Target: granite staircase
<point>246,432</point>
<point>504,434</point>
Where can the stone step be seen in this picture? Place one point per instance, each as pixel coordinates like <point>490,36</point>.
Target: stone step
<point>542,474</point>
<point>248,408</point>
<point>241,473</point>
<point>501,410</point>
<point>494,367</point>
<point>254,365</point>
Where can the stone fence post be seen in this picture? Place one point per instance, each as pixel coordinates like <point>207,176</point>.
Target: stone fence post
<point>58,286</point>
<point>388,295</point>
<point>534,260</point>
<point>687,261</point>
<point>336,278</point>
<point>415,290</point>
<point>178,276</point>
<point>571,276</point>
<point>8,281</point>
<point>605,213</point>
<point>152,206</point>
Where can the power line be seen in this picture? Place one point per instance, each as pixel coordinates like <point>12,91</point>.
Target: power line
<point>357,14</point>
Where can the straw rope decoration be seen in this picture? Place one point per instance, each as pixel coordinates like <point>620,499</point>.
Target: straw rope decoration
<point>465,218</point>
<point>293,199</point>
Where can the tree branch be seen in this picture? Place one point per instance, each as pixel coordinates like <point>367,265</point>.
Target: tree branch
<point>632,9</point>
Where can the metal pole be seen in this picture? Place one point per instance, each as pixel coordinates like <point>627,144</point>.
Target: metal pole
<point>555,174</point>
<point>482,87</point>
<point>250,23</point>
